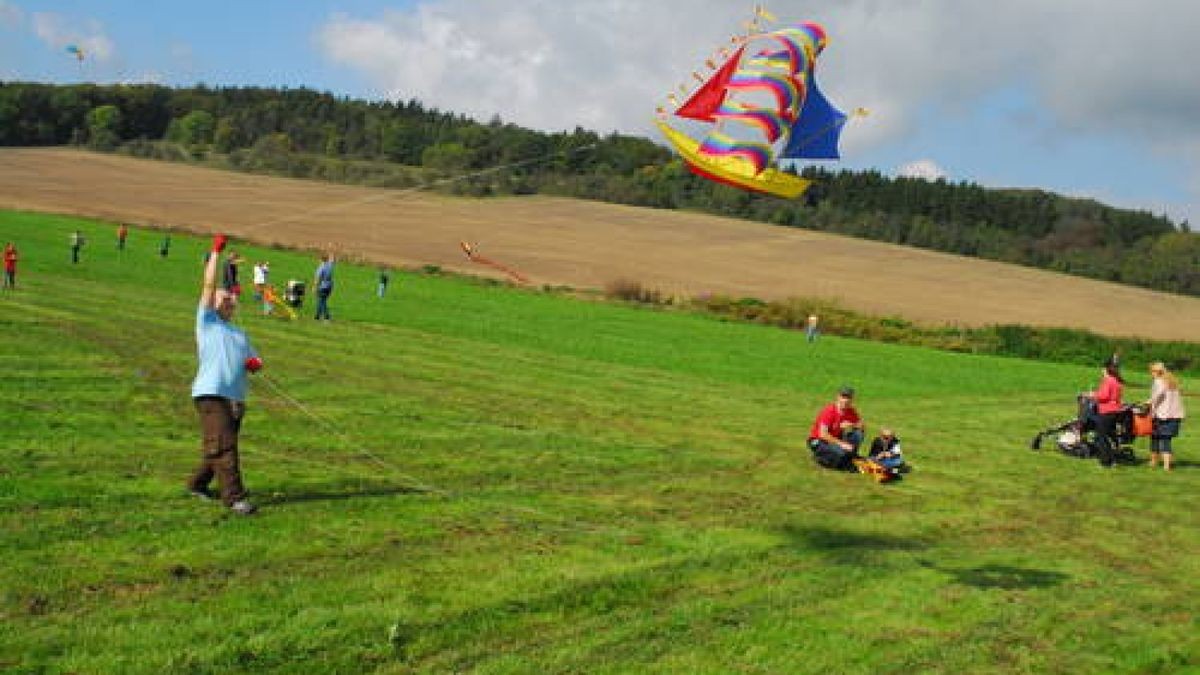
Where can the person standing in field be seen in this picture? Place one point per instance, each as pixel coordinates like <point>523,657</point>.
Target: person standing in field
<point>810,328</point>
<point>77,242</point>
<point>837,433</point>
<point>10,266</point>
<point>323,283</point>
<point>1108,407</point>
<point>164,247</point>
<point>262,283</point>
<point>229,278</point>
<point>219,390</point>
<point>1166,410</point>
<point>122,235</point>
<point>385,277</point>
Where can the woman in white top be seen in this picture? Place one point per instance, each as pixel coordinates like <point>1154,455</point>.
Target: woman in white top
<point>1166,407</point>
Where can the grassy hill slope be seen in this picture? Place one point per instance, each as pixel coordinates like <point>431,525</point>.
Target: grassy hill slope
<point>588,244</point>
<point>463,476</point>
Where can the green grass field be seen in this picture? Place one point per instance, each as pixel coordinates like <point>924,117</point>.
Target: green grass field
<point>468,477</point>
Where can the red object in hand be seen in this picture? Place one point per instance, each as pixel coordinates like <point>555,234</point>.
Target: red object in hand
<point>219,243</point>
<point>254,364</point>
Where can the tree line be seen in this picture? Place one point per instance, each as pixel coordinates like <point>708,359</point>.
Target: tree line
<point>306,133</point>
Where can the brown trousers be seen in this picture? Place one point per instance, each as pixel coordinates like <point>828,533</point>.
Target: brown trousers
<point>220,422</point>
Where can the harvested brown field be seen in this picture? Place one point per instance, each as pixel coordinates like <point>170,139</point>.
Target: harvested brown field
<point>586,244</point>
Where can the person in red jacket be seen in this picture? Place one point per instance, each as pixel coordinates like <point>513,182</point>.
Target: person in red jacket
<point>1108,406</point>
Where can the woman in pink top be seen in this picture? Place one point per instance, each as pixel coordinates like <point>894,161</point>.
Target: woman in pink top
<point>1108,405</point>
<point>1166,407</point>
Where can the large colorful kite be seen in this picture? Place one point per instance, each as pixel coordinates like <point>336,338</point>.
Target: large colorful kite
<point>762,106</point>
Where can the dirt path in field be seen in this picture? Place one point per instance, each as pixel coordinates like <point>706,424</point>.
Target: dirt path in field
<point>586,244</point>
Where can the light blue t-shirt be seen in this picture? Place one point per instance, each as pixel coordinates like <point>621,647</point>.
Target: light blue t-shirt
<point>223,350</point>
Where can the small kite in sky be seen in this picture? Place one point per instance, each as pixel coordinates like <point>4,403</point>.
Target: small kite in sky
<point>74,49</point>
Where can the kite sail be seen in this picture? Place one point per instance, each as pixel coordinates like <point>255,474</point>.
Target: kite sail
<point>74,49</point>
<point>762,106</point>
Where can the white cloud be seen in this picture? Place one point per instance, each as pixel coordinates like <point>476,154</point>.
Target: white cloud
<point>926,169</point>
<point>11,16</point>
<point>605,63</point>
<point>57,32</point>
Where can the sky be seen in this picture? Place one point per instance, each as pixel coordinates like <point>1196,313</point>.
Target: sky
<point>1088,98</point>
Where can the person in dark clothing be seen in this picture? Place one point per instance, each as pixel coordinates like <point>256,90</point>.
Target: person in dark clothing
<point>385,277</point>
<point>77,242</point>
<point>885,450</point>
<point>230,276</point>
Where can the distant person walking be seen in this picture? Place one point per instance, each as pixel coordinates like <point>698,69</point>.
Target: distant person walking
<point>219,390</point>
<point>323,283</point>
<point>77,242</point>
<point>10,266</point>
<point>1166,410</point>
<point>122,235</point>
<point>810,329</point>
<point>385,277</point>
<point>1108,407</point>
<point>164,247</point>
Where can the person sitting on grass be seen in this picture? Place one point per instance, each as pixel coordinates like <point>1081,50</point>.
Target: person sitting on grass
<point>885,450</point>
<point>836,433</point>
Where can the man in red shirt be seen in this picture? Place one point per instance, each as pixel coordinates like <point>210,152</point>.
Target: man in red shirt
<point>837,433</point>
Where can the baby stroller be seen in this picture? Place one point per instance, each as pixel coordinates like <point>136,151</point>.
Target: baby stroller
<point>1077,437</point>
<point>294,295</point>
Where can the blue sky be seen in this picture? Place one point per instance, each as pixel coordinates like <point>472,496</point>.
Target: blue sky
<point>1083,97</point>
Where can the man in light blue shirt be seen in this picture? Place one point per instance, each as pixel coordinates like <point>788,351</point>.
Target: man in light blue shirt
<point>219,390</point>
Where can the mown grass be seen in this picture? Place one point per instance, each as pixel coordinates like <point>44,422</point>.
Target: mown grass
<point>469,477</point>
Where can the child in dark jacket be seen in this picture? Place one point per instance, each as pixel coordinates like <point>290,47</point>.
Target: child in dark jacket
<point>885,449</point>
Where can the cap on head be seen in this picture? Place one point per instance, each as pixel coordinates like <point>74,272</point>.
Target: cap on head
<point>848,392</point>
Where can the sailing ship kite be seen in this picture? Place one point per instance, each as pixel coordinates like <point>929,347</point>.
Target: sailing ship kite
<point>762,106</point>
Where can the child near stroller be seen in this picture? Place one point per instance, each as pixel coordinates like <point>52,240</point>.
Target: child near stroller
<point>1077,437</point>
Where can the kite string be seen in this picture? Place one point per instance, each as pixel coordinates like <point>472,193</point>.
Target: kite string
<point>387,194</point>
<point>414,483</point>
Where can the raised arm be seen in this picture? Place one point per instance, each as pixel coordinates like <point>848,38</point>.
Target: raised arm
<point>208,288</point>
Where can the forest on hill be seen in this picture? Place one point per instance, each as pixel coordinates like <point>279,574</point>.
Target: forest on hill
<point>309,134</point>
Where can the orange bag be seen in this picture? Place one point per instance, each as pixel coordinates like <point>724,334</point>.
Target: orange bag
<point>1143,425</point>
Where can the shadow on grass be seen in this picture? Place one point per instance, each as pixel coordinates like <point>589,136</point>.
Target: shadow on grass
<point>333,494</point>
<point>1006,577</point>
<point>848,546</point>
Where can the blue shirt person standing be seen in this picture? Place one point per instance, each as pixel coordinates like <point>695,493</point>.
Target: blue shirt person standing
<point>323,282</point>
<point>219,390</point>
